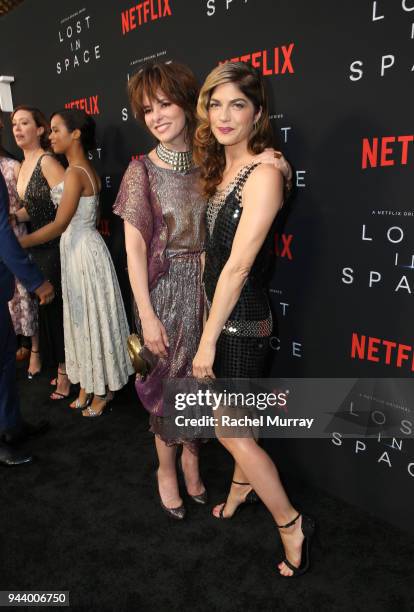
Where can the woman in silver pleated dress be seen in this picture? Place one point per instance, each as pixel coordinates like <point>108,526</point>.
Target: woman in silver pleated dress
<point>164,212</point>
<point>95,323</point>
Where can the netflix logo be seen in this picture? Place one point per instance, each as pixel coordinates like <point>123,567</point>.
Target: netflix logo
<point>283,244</point>
<point>387,352</point>
<point>144,12</point>
<point>89,105</point>
<point>269,62</point>
<point>386,151</point>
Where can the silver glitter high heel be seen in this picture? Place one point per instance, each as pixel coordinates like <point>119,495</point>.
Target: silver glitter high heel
<point>176,513</point>
<point>202,498</point>
<point>79,406</point>
<point>89,412</point>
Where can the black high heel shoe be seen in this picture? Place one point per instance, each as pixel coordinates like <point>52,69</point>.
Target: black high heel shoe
<point>251,498</point>
<point>202,498</point>
<point>176,513</point>
<point>308,530</point>
<point>32,375</point>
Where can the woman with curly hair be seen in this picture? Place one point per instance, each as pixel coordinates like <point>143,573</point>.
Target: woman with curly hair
<point>244,199</point>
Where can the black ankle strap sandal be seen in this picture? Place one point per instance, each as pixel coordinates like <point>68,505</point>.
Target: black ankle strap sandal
<point>308,530</point>
<point>251,498</point>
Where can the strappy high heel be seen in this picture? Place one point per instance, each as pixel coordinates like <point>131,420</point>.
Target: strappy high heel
<point>251,498</point>
<point>308,530</point>
<point>176,513</point>
<point>87,402</point>
<point>60,396</point>
<point>89,412</point>
<point>202,498</point>
<point>32,375</point>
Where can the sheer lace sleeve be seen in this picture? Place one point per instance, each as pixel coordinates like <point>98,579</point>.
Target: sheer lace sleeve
<point>133,202</point>
<point>138,204</point>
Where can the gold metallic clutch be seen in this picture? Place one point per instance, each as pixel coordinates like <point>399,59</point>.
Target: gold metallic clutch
<point>139,355</point>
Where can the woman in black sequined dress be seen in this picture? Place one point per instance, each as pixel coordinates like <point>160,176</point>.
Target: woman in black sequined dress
<point>40,171</point>
<point>244,198</point>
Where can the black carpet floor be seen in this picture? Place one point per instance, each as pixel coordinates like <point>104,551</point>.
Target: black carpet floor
<point>85,518</point>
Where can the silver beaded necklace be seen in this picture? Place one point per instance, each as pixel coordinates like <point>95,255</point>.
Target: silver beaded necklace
<point>181,161</point>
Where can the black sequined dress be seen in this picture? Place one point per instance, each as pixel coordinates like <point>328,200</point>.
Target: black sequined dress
<point>42,211</point>
<point>243,344</point>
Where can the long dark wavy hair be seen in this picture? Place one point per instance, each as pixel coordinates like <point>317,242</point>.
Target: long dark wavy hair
<point>208,153</point>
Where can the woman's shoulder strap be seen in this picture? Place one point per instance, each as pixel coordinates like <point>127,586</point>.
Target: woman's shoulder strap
<point>242,178</point>
<point>89,177</point>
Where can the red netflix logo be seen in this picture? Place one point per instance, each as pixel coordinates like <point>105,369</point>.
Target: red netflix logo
<point>138,156</point>
<point>283,245</point>
<point>274,61</point>
<point>377,350</point>
<point>89,105</point>
<point>149,10</point>
<point>385,151</point>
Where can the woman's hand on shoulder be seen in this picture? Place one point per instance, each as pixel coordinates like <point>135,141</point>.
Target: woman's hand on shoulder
<point>278,160</point>
<point>52,170</point>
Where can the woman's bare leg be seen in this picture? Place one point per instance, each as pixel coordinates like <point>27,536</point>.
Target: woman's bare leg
<point>262,474</point>
<point>190,465</point>
<point>35,363</point>
<point>63,382</point>
<point>237,494</point>
<point>167,474</point>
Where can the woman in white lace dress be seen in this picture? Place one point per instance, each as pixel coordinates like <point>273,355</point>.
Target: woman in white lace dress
<point>95,324</point>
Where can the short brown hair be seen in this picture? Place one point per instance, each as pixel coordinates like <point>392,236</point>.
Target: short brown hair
<point>175,80</point>
<point>39,119</point>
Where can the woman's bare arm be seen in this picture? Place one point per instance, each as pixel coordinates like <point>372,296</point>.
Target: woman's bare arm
<point>72,191</point>
<point>155,336</point>
<point>262,198</point>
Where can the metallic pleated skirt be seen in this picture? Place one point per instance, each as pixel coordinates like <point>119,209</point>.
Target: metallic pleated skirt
<point>178,301</point>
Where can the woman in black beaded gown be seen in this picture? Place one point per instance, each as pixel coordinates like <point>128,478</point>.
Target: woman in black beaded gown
<point>244,198</point>
<point>39,172</point>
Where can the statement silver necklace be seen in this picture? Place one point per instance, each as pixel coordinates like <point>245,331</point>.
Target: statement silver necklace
<point>181,161</point>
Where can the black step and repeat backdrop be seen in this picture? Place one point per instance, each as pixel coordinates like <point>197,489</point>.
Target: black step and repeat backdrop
<point>340,80</point>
